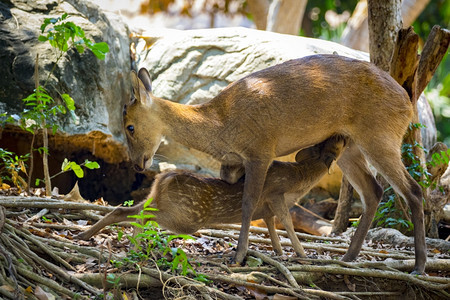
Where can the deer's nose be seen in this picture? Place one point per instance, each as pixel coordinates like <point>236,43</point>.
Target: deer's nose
<point>137,168</point>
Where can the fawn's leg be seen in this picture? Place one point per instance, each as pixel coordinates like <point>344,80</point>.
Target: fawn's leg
<point>279,208</point>
<point>119,214</point>
<point>276,245</point>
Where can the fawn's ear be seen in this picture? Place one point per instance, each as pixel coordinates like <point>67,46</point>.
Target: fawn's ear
<point>140,92</point>
<point>306,154</point>
<point>329,160</point>
<point>144,76</point>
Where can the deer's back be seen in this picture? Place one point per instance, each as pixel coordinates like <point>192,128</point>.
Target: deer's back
<point>311,98</point>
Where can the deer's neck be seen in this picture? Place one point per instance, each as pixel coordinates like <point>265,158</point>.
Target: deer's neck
<point>191,125</point>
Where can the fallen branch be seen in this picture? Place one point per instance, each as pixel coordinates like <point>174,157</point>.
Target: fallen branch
<point>285,271</point>
<point>55,205</point>
<point>416,280</point>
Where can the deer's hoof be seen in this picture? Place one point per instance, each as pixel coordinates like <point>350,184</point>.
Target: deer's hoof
<point>417,272</point>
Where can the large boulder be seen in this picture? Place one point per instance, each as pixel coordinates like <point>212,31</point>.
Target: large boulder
<point>98,87</point>
<point>193,66</point>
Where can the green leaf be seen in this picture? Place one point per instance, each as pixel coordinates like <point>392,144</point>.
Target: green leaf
<point>254,262</point>
<point>77,169</point>
<point>91,164</point>
<point>36,183</point>
<point>147,203</point>
<point>79,48</point>
<point>65,165</point>
<point>42,38</point>
<point>134,216</point>
<point>150,209</point>
<point>137,224</point>
<point>70,103</point>
<point>54,128</point>
<point>102,46</point>
<point>100,55</point>
<point>182,236</point>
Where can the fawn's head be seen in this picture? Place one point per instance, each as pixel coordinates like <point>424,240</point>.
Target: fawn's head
<point>141,123</point>
<point>326,151</point>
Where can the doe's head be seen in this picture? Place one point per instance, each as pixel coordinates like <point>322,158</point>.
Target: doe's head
<point>141,124</point>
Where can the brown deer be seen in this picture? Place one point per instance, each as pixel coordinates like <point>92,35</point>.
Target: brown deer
<point>187,202</point>
<point>281,109</point>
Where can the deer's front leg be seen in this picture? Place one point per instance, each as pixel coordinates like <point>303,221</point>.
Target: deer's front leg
<point>255,175</point>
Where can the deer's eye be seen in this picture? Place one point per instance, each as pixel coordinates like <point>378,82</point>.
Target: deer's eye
<point>130,129</point>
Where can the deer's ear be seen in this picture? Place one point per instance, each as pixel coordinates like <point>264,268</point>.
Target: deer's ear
<point>135,85</point>
<point>144,76</point>
<point>140,92</point>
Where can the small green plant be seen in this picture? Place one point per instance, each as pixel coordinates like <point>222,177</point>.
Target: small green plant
<point>128,203</point>
<point>113,279</point>
<point>40,108</point>
<point>153,244</point>
<point>73,166</point>
<point>388,215</point>
<point>64,35</point>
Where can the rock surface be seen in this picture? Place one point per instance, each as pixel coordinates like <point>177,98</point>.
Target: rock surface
<point>98,87</point>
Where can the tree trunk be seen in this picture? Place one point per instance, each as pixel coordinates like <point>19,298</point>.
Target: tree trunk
<point>385,21</point>
<point>356,34</point>
<point>48,185</point>
<point>285,16</point>
<point>411,9</point>
<point>344,205</point>
<point>259,9</point>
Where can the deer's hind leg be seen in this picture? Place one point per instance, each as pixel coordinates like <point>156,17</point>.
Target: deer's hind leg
<point>387,161</point>
<point>355,168</point>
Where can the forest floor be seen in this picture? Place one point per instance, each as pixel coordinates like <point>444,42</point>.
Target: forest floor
<point>40,259</point>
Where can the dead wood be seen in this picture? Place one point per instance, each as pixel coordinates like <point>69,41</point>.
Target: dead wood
<point>340,223</point>
<point>433,51</point>
<point>405,60</point>
<point>37,255</point>
<point>303,220</point>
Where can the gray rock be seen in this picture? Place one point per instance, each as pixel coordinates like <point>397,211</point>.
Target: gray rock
<point>98,87</point>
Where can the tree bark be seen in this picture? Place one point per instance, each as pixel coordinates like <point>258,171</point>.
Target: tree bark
<point>356,33</point>
<point>384,23</point>
<point>411,9</point>
<point>259,9</point>
<point>285,16</point>
<point>345,200</point>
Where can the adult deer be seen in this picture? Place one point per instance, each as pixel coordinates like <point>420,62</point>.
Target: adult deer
<point>279,110</point>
